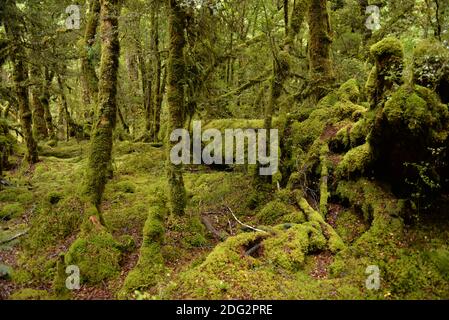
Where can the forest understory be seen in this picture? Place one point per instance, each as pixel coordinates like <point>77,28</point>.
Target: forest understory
<point>358,207</point>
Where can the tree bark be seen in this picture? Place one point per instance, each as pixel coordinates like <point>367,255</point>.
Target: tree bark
<point>158,91</point>
<point>39,125</point>
<point>45,100</point>
<point>89,77</point>
<point>99,167</point>
<point>175,98</point>
<point>321,72</point>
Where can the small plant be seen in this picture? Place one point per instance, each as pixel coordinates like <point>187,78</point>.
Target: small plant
<point>427,182</point>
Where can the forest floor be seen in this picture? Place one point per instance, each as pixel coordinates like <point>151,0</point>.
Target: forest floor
<point>41,210</point>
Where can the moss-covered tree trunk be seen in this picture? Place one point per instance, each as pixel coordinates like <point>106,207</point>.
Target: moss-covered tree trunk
<point>39,124</point>
<point>158,93</point>
<point>65,121</point>
<point>99,163</point>
<point>175,98</point>
<point>20,76</point>
<point>321,72</point>
<point>89,77</point>
<point>45,100</point>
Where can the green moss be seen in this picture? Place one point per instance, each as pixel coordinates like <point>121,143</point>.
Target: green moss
<point>12,210</point>
<point>359,132</point>
<point>195,233</point>
<point>324,193</point>
<point>51,223</point>
<point>348,110</point>
<point>289,248</point>
<point>440,259</point>
<point>21,276</point>
<point>150,266</point>
<point>413,108</point>
<point>387,47</point>
<point>334,241</point>
<point>356,162</point>
<point>31,294</point>
<point>96,255</point>
<point>349,91</point>
<point>125,186</point>
<point>273,211</point>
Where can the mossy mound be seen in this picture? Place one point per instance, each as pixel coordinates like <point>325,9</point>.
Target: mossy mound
<point>272,212</point>
<point>10,211</point>
<point>31,294</point>
<point>97,255</point>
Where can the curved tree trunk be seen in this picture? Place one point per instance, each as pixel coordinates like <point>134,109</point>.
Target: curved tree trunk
<point>99,164</point>
<point>175,98</point>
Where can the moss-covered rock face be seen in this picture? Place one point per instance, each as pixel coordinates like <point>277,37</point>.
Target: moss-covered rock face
<point>431,67</point>
<point>97,256</point>
<point>409,131</point>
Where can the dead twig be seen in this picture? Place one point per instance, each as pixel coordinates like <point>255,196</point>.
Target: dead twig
<point>243,224</point>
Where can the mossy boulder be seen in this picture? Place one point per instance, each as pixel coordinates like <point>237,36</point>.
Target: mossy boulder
<point>97,256</point>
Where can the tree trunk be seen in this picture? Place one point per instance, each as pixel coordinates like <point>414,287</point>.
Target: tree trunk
<point>45,100</point>
<point>39,125</point>
<point>20,77</point>
<point>321,72</point>
<point>65,121</point>
<point>175,98</point>
<point>99,163</point>
<point>158,93</point>
<point>89,77</point>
